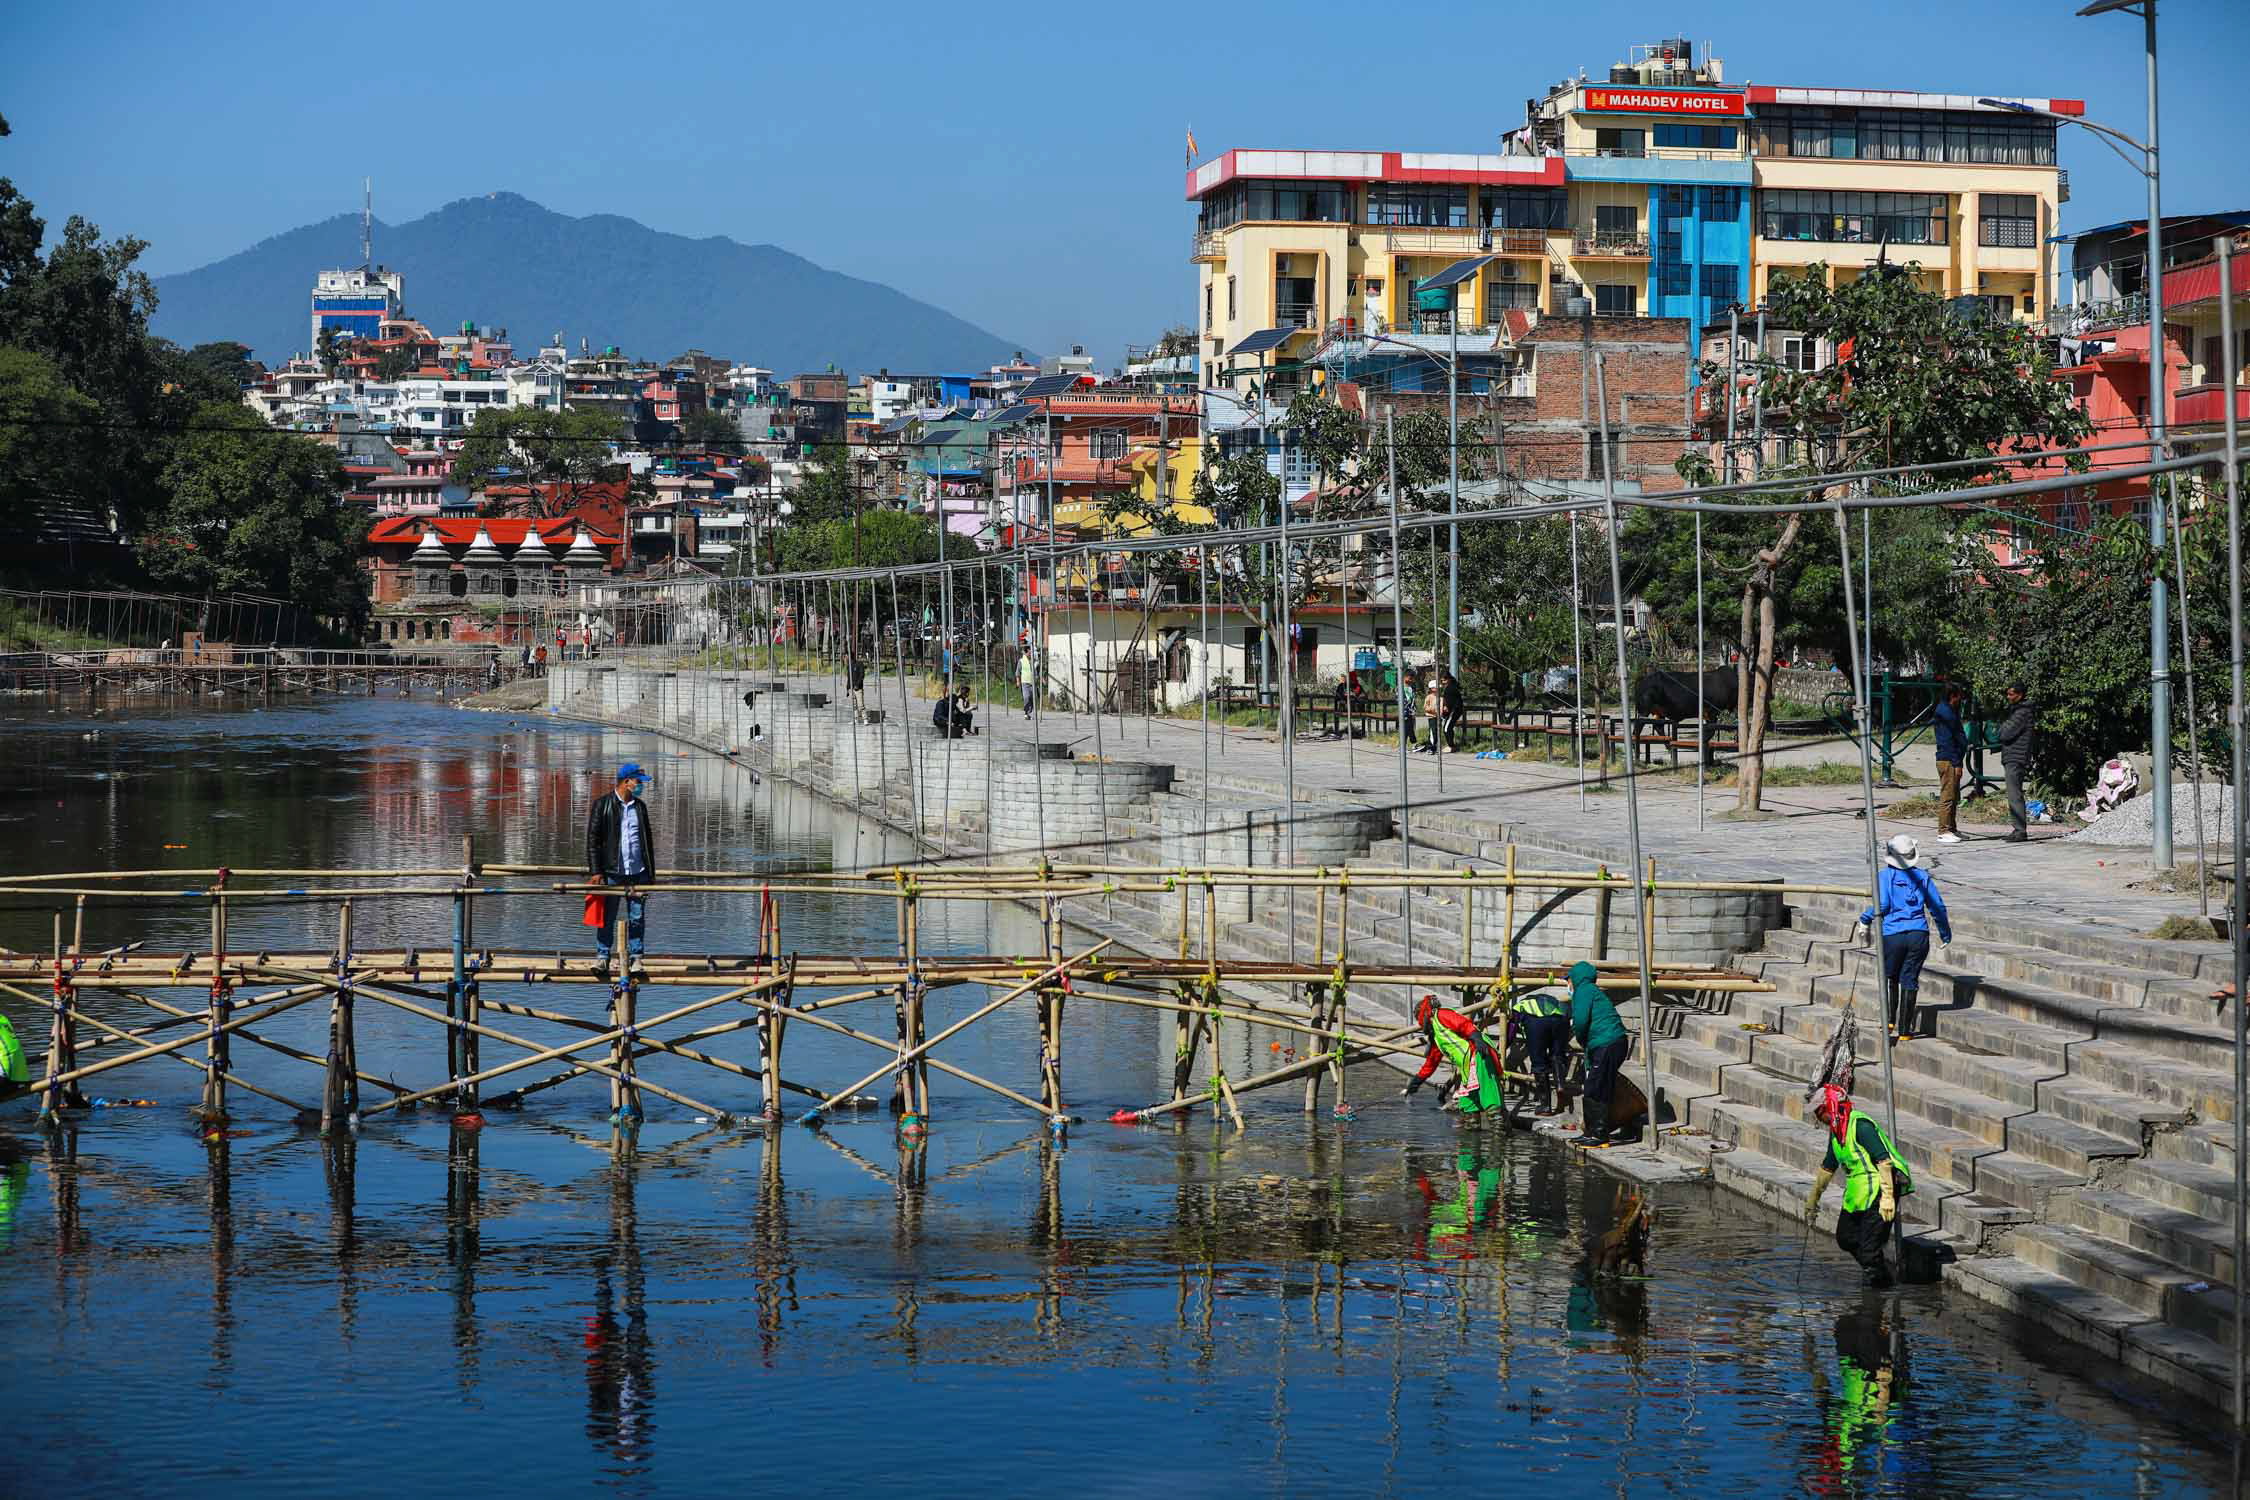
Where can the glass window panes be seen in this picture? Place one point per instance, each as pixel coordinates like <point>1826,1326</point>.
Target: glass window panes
<point>1256,198</point>
<point>1619,142</point>
<point>1418,204</point>
<point>1616,297</point>
<point>1525,208</point>
<point>2008,219</point>
<point>1852,218</point>
<point>1980,136</point>
<point>1696,137</point>
<point>1616,218</point>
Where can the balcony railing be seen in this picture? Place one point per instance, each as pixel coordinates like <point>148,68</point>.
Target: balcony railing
<point>1519,242</point>
<point>2092,317</point>
<point>1615,244</point>
<point>1207,247</point>
<point>1296,315</point>
<point>2206,405</point>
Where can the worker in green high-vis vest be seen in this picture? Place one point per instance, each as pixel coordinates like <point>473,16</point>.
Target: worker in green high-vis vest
<point>1458,1040</point>
<point>1875,1178</point>
<point>15,1068</point>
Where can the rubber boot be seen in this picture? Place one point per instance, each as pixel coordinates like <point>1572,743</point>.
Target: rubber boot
<point>1546,1110</point>
<point>1596,1132</point>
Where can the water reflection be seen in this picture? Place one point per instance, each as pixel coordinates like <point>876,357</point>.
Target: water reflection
<point>620,1355</point>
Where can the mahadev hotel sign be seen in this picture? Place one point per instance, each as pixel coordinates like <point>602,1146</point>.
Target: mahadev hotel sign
<point>1663,101</point>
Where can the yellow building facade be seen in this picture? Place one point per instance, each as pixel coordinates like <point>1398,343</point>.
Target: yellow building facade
<point>1662,191</point>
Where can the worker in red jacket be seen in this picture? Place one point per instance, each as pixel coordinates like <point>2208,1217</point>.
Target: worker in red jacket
<point>1458,1040</point>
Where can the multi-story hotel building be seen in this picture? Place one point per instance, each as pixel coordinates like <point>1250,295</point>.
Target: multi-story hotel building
<point>1658,191</point>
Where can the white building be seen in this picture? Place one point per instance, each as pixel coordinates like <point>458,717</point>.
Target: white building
<point>438,411</point>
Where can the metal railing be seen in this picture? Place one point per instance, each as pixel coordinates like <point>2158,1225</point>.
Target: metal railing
<point>1623,243</point>
<point>2088,317</point>
<point>1207,246</point>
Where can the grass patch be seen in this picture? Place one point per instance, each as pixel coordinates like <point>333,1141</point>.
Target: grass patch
<point>2184,930</point>
<point>24,630</point>
<point>1991,812</point>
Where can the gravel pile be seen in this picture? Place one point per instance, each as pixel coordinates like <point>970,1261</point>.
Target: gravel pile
<point>2131,822</point>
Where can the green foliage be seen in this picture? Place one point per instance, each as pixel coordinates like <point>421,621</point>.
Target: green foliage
<point>879,539</point>
<point>250,510</point>
<point>826,488</point>
<point>569,448</point>
<point>2072,629</point>
<point>51,443</point>
<point>713,431</point>
<point>1920,385</point>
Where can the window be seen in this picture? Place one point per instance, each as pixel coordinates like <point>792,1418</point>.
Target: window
<point>1207,306</point>
<point>1853,218</point>
<point>1800,353</point>
<point>1104,446</point>
<point>1905,135</point>
<point>1602,464</point>
<point>1722,285</point>
<point>1722,203</point>
<point>1418,204</point>
<point>1263,198</point>
<point>1616,298</point>
<point>1619,142</point>
<point>1230,299</point>
<point>2008,219</point>
<point>1696,137</point>
<point>1525,208</point>
<point>1674,278</point>
<point>1617,218</point>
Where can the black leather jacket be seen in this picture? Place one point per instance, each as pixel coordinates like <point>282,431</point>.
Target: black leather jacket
<point>604,846</point>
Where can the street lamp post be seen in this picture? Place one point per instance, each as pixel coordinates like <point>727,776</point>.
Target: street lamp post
<point>1452,363</point>
<point>2159,625</point>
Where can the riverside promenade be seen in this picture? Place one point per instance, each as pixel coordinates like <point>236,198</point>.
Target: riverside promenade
<point>2069,1111</point>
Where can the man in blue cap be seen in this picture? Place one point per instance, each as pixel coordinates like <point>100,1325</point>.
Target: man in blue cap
<point>621,850</point>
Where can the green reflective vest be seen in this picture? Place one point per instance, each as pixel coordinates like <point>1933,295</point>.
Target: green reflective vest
<point>1539,1003</point>
<point>1862,1184</point>
<point>13,1066</point>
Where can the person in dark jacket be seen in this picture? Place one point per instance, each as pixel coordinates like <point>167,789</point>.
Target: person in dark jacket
<point>1452,708</point>
<point>1952,754</point>
<point>621,850</point>
<point>952,717</point>
<point>1910,904</point>
<point>2017,734</point>
<point>1595,1025</point>
<point>855,682</point>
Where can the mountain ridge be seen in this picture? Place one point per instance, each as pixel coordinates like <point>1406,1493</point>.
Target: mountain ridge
<point>503,260</point>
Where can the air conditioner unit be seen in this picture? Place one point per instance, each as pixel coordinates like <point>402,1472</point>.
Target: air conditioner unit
<point>1507,270</point>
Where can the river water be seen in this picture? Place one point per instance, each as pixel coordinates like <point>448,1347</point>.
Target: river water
<point>1382,1306</point>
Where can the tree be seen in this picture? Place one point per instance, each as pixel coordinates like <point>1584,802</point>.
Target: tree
<point>51,438</point>
<point>252,510</point>
<point>393,363</point>
<point>569,449</point>
<point>879,539</point>
<point>826,489</point>
<point>712,431</point>
<point>1913,383</point>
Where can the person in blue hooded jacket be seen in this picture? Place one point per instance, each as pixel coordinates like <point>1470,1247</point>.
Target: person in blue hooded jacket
<point>1596,1028</point>
<point>1910,904</point>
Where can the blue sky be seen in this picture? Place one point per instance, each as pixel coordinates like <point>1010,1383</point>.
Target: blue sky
<point>1017,165</point>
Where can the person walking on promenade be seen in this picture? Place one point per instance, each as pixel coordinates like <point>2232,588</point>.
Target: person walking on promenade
<point>1433,709</point>
<point>1458,1040</point>
<point>855,682</point>
<point>2018,734</point>
<point>1910,904</point>
<point>1952,754</point>
<point>1408,698</point>
<point>1453,707</point>
<point>621,850</point>
<point>1027,678</point>
<point>1874,1180</point>
<point>1595,1025</point>
<point>1544,1019</point>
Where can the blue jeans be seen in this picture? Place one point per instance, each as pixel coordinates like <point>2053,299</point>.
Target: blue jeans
<point>636,925</point>
<point>1903,956</point>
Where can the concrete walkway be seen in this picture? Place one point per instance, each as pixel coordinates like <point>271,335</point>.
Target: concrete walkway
<point>1812,834</point>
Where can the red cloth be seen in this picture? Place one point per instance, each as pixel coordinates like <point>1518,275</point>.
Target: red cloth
<point>1837,1105</point>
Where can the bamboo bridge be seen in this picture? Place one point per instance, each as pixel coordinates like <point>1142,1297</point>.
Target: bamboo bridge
<point>217,997</point>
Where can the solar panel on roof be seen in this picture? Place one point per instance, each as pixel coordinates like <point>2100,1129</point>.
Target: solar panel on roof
<point>942,435</point>
<point>1264,339</point>
<point>1455,274</point>
<point>1021,411</point>
<point>1048,385</point>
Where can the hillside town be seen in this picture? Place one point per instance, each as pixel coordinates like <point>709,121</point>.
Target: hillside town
<point>1642,219</point>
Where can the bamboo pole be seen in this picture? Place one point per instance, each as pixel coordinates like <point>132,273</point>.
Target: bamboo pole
<point>237,1080</point>
<point>979,1014</point>
<point>339,1102</point>
<point>214,1105</point>
<point>283,1048</point>
<point>159,1049</point>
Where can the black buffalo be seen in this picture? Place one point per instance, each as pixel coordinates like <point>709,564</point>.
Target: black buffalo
<point>1662,694</point>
